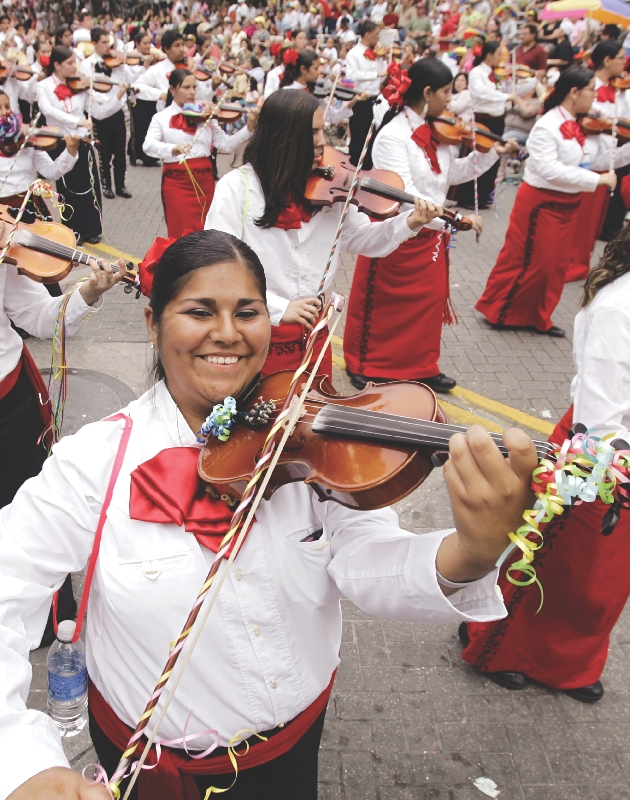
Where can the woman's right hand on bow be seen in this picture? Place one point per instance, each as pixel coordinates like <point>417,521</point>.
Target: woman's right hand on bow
<point>608,179</point>
<point>59,783</point>
<point>304,311</point>
<point>182,149</point>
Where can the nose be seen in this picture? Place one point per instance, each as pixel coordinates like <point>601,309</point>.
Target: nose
<point>319,138</point>
<point>224,330</point>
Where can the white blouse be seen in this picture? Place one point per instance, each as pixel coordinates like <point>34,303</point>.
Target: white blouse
<point>395,150</point>
<point>486,97</point>
<point>607,108</point>
<point>103,105</point>
<point>294,260</point>
<point>272,642</point>
<point>601,343</point>
<point>153,82</point>
<point>161,138</point>
<point>25,166</point>
<point>462,105</point>
<point>67,114</point>
<point>336,114</point>
<point>364,71</point>
<point>563,165</point>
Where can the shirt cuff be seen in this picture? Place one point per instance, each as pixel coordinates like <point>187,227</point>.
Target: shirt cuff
<point>277,307</point>
<point>78,310</point>
<point>25,756</point>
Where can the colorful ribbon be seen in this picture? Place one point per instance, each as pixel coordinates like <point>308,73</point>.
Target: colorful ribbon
<point>219,422</point>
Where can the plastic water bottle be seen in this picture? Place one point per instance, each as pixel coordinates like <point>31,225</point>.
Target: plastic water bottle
<point>67,681</point>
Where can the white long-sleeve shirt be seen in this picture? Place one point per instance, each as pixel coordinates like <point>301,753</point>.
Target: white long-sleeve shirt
<point>394,149</point>
<point>67,114</point>
<point>104,105</point>
<point>161,138</point>
<point>153,82</point>
<point>486,97</point>
<point>25,166</point>
<point>294,260</point>
<point>601,343</point>
<point>554,162</point>
<point>272,642</point>
<point>336,114</point>
<point>363,71</point>
<point>274,76</point>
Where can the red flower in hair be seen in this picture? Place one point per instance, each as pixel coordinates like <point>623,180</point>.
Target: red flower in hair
<point>397,85</point>
<point>476,50</point>
<point>290,56</point>
<point>275,49</point>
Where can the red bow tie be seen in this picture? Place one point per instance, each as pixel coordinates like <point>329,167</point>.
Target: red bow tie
<point>370,54</point>
<point>493,77</point>
<point>182,123</point>
<point>423,137</point>
<point>292,217</point>
<point>606,94</point>
<point>63,92</point>
<point>167,489</point>
<point>572,130</point>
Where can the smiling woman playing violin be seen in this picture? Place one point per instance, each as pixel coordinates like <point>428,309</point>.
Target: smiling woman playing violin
<point>266,660</point>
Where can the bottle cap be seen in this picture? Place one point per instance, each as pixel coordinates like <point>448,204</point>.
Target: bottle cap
<point>66,630</point>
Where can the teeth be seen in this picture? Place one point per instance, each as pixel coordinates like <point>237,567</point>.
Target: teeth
<point>221,359</point>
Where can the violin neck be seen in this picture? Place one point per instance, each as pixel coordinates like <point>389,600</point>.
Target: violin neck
<point>391,193</point>
<point>486,134</point>
<point>49,247</point>
<point>357,423</point>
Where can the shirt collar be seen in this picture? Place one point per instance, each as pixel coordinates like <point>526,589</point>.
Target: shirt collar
<point>415,119</point>
<point>485,68</point>
<point>172,418</point>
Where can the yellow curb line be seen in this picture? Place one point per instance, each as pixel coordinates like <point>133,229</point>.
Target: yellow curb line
<point>527,420</point>
<point>338,361</point>
<point>109,251</point>
<point>468,418</point>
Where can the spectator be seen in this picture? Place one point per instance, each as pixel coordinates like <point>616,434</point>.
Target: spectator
<point>529,52</point>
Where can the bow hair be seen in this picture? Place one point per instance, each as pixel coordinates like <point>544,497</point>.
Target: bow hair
<point>290,56</point>
<point>397,86</point>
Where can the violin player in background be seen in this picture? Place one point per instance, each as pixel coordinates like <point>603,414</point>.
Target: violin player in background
<point>187,171</point>
<point>410,285</point>
<point>280,618</point>
<point>67,109</point>
<point>141,111</point>
<point>264,204</point>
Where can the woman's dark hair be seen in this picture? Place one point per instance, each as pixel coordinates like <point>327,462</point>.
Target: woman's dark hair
<point>574,77</point>
<point>487,49</point>
<point>175,80</point>
<point>613,264</point>
<point>426,73</point>
<point>459,75</point>
<point>139,36</point>
<point>609,48</point>
<point>281,150</point>
<point>190,253</point>
<point>60,32</point>
<point>292,71</point>
<point>58,56</point>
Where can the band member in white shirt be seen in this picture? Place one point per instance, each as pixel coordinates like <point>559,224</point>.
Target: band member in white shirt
<point>366,70</point>
<point>488,103</point>
<point>187,171</point>
<point>107,112</point>
<point>267,658</point>
<point>140,111</point>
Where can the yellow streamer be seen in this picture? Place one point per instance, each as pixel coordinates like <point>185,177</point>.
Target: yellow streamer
<point>232,753</point>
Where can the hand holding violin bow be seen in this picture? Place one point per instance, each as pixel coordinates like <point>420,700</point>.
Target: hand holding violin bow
<point>424,212</point>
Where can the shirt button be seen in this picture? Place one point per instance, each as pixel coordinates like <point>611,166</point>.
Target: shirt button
<point>273,684</point>
<point>256,630</point>
<point>237,574</point>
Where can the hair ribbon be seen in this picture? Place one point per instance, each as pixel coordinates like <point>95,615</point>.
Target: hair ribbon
<point>397,86</point>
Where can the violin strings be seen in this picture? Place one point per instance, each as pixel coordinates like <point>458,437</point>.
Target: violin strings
<point>52,248</point>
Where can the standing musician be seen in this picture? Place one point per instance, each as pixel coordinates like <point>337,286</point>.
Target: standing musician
<point>411,285</point>
<point>263,204</point>
<point>266,660</point>
<point>526,282</point>
<point>489,108</point>
<point>301,71</point>
<point>62,107</point>
<point>188,183</point>
<point>141,111</point>
<point>366,70</point>
<point>107,112</point>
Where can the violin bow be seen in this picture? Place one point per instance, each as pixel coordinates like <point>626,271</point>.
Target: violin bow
<point>614,136</point>
<point>211,116</point>
<point>332,94</point>
<point>475,172</point>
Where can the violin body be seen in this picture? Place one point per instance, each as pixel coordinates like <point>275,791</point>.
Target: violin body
<point>451,130</point>
<point>356,474</point>
<point>46,138</point>
<point>117,59</point>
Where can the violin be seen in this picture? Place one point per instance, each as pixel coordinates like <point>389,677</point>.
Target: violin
<point>228,112</point>
<point>117,59</point>
<point>451,130</point>
<point>100,83</point>
<point>593,123</point>
<point>621,83</point>
<point>40,138</point>
<point>380,191</point>
<point>46,251</point>
<point>366,451</point>
<point>341,92</point>
<point>18,71</point>
<point>507,71</point>
<point>383,51</point>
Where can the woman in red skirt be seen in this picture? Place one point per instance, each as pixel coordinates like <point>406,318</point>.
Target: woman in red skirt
<point>399,302</point>
<point>584,574</point>
<point>526,283</point>
<point>187,171</point>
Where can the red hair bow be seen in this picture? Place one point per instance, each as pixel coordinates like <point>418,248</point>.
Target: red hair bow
<point>397,85</point>
<point>290,56</point>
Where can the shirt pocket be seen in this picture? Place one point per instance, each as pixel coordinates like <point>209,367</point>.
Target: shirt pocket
<point>307,556</point>
<point>151,566</point>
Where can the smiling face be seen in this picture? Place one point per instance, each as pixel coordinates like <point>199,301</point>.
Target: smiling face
<point>212,338</point>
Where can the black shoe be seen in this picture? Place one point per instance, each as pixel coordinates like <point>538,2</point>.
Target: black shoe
<point>509,680</point>
<point>132,161</point>
<point>554,331</point>
<point>462,632</point>
<point>587,694</point>
<point>361,381</point>
<point>107,192</point>
<point>439,383</point>
<point>121,191</point>
<point>150,163</point>
<point>93,240</point>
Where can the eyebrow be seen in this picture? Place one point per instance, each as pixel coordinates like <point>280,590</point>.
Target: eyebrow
<point>210,302</point>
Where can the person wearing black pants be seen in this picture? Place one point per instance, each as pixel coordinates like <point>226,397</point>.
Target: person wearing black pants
<point>360,121</point>
<point>141,112</point>
<point>111,133</point>
<point>616,214</point>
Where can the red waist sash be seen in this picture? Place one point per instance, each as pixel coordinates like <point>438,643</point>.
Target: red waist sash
<point>174,776</point>
<point>9,381</point>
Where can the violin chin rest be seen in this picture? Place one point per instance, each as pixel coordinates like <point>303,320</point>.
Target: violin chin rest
<point>9,260</point>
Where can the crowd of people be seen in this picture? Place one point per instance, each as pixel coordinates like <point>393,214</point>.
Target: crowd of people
<point>443,98</point>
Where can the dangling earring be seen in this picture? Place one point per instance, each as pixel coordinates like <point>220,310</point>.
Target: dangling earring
<point>151,345</point>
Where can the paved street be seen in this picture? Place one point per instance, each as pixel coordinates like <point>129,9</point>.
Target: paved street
<point>408,720</point>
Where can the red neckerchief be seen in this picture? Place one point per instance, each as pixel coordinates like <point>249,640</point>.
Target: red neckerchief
<point>292,217</point>
<point>182,123</point>
<point>167,489</point>
<point>370,54</point>
<point>63,92</point>
<point>571,129</point>
<point>606,94</point>
<point>492,77</point>
<point>423,137</point>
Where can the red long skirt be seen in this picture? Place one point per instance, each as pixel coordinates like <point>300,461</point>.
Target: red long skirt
<point>185,202</point>
<point>288,343</point>
<point>526,283</point>
<point>590,221</point>
<point>396,309</point>
<point>586,582</point>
